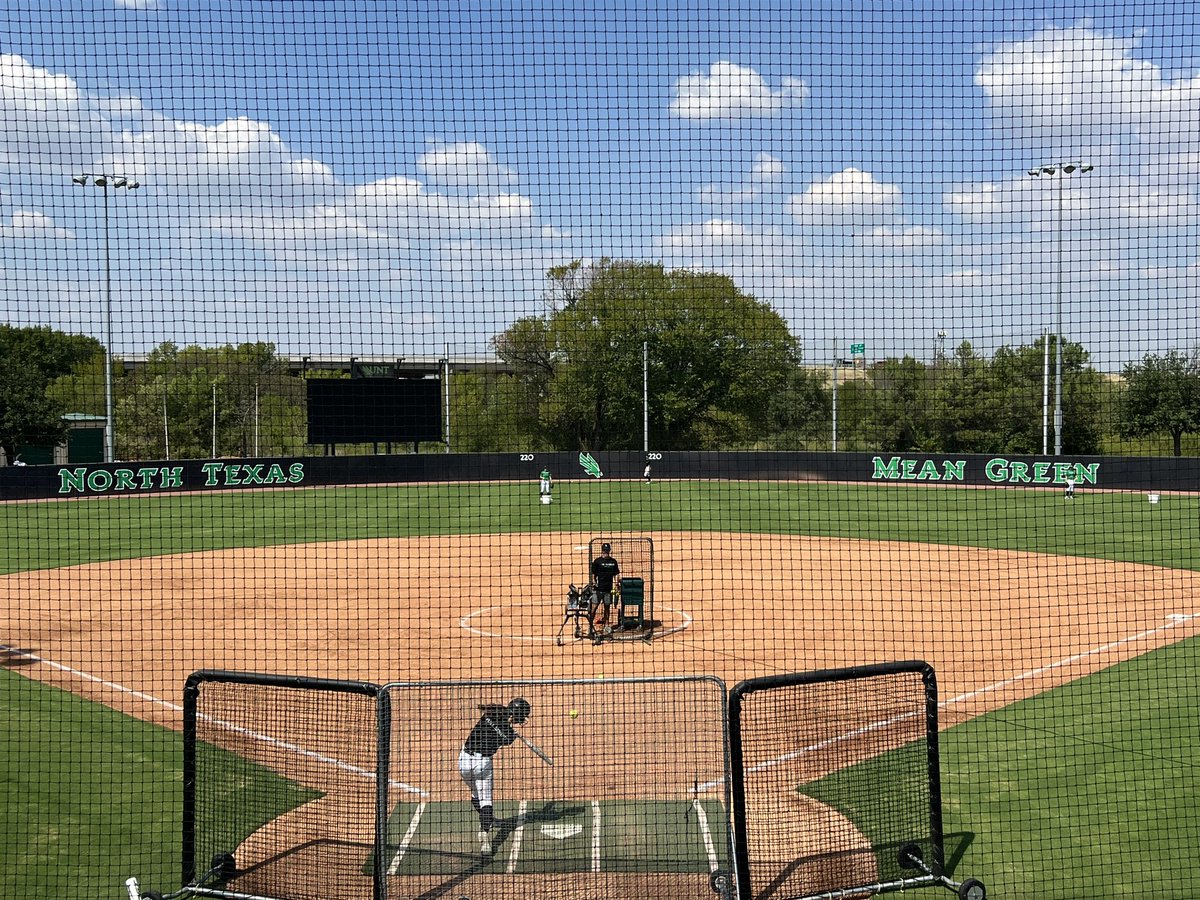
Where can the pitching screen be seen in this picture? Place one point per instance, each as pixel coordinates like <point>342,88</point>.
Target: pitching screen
<point>358,410</point>
<point>281,779</point>
<point>832,773</point>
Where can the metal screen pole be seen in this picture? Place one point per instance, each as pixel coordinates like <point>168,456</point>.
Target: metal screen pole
<point>191,696</point>
<point>383,737</point>
<point>645,396</point>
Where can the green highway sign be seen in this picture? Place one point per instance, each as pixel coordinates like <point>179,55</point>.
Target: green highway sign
<point>858,349</point>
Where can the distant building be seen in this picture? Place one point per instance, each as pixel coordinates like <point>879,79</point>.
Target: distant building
<point>84,444</point>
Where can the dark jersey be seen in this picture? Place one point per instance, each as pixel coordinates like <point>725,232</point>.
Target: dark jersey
<point>491,732</point>
<point>604,570</point>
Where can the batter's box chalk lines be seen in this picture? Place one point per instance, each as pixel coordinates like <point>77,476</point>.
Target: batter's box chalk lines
<point>595,835</point>
<point>1174,621</point>
<point>518,834</point>
<point>229,726</point>
<point>709,848</point>
<point>407,839</point>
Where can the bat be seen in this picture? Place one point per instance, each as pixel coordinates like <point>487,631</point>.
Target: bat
<point>534,747</point>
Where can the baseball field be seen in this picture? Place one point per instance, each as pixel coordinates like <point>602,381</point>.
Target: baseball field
<point>1062,634</point>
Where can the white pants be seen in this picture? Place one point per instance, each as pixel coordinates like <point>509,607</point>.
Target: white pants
<point>476,771</point>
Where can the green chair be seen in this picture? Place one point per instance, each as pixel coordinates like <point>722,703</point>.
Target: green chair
<point>633,603</point>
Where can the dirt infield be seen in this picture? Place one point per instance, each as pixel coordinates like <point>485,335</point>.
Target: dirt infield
<point>997,626</point>
<point>1006,625</point>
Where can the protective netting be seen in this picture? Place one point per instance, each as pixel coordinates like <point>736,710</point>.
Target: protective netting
<point>282,787</point>
<point>878,320</point>
<point>610,788</point>
<point>835,776</point>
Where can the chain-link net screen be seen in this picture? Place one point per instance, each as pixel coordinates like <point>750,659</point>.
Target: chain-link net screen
<point>879,320</point>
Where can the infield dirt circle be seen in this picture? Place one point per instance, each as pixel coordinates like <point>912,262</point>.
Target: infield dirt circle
<point>997,626</point>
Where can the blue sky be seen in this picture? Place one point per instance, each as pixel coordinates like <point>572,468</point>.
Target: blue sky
<point>395,178</point>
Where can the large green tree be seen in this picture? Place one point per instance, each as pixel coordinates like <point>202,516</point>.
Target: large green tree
<point>716,357</point>
<point>799,414</point>
<point>1162,396</point>
<point>170,400</point>
<point>30,361</point>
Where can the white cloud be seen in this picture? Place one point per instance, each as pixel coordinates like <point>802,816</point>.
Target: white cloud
<point>912,237</point>
<point>730,91</point>
<point>845,195</point>
<point>403,205</point>
<point>1093,200</point>
<point>747,253</point>
<point>467,164</point>
<point>25,223</point>
<point>714,232</point>
<point>37,92</point>
<point>1070,91</point>
<point>767,169</point>
<point>45,120</point>
<point>199,171</point>
<point>765,172</point>
<point>979,203</point>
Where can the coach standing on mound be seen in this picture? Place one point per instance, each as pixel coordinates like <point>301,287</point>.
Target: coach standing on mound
<point>493,731</point>
<point>604,571</point>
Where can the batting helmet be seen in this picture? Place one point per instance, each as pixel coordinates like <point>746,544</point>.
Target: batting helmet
<point>606,547</point>
<point>518,709</point>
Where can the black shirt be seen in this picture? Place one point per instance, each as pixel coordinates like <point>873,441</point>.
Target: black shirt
<point>604,570</point>
<point>491,732</point>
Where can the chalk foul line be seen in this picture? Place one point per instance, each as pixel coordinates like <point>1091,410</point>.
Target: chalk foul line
<point>228,726</point>
<point>1174,620</point>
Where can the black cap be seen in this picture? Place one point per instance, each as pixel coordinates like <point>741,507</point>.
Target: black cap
<point>606,547</point>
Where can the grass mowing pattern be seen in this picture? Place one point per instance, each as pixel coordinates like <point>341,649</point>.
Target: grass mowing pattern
<point>1118,526</point>
<point>90,791</point>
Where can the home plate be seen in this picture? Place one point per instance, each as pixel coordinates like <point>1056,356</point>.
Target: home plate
<point>561,832</point>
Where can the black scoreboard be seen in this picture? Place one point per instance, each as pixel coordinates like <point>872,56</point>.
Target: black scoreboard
<point>360,410</point>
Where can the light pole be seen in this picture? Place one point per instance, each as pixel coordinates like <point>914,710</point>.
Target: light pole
<point>104,182</point>
<point>1061,170</point>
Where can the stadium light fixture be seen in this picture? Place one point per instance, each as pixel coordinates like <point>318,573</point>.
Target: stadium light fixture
<point>1061,170</point>
<point>104,181</point>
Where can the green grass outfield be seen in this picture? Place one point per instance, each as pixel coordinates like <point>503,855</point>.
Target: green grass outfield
<point>1099,772</point>
<point>38,535</point>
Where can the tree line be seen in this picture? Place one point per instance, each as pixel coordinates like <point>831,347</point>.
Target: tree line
<point>722,372</point>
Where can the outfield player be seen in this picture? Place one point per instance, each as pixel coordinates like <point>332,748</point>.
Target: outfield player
<point>1069,491</point>
<point>544,485</point>
<point>493,731</point>
<point>604,571</point>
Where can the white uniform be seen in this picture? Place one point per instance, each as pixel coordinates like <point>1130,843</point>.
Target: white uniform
<point>476,771</point>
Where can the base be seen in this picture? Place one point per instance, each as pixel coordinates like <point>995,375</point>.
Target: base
<point>546,498</point>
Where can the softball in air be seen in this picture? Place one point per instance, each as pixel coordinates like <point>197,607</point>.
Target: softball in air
<point>574,714</point>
